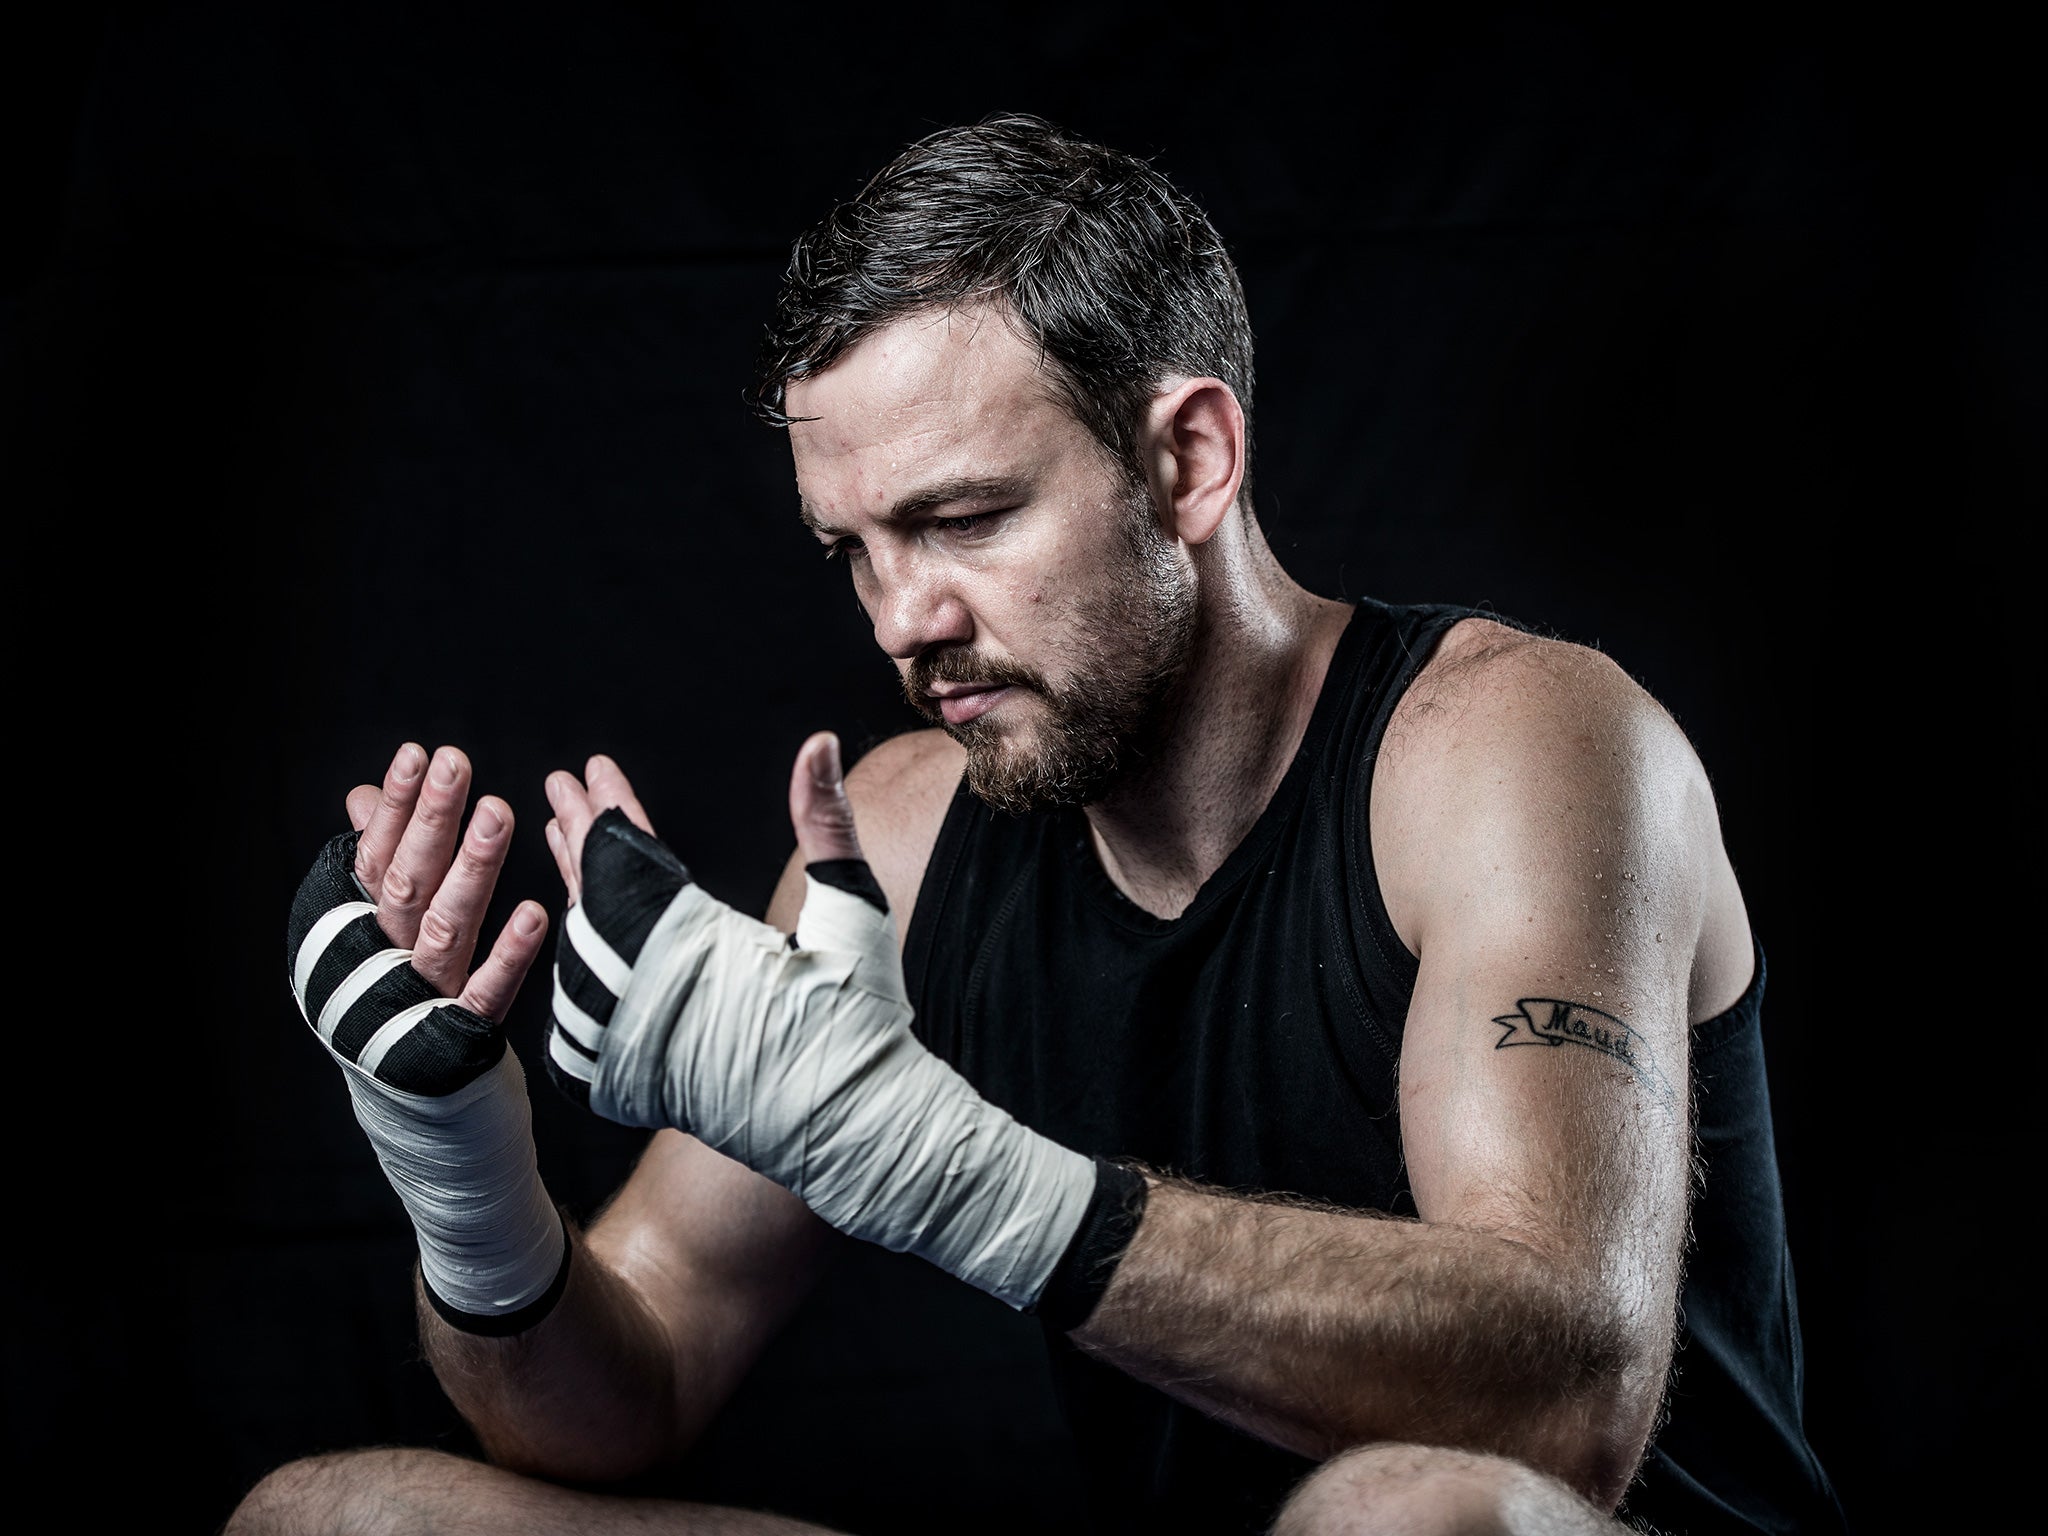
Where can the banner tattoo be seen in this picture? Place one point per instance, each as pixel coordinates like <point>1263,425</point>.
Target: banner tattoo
<point>1552,1021</point>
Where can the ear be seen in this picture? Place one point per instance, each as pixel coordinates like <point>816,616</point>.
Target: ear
<point>1196,449</point>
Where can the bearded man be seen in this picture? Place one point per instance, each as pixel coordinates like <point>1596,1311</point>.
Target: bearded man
<point>1310,1010</point>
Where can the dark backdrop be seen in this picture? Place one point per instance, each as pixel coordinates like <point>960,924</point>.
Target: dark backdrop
<point>374,372</point>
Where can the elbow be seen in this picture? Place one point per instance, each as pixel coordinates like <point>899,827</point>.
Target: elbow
<point>1601,1462</point>
<point>1592,1434</point>
<point>580,1458</point>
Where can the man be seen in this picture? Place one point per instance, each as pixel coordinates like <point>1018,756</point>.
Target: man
<point>1310,1010</point>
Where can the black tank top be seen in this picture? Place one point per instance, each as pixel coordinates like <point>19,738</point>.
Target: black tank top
<point>1251,1043</point>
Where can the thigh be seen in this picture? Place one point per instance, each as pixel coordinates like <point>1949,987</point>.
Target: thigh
<point>1415,1490</point>
<point>430,1493</point>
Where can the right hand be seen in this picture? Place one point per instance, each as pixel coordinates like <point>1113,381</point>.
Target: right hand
<point>378,949</point>
<point>432,881</point>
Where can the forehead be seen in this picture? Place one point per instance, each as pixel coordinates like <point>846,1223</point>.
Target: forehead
<point>953,392</point>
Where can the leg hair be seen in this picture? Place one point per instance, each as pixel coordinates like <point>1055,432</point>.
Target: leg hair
<point>1415,1490</point>
<point>396,1492</point>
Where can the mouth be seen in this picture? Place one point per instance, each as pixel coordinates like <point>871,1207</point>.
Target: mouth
<point>962,702</point>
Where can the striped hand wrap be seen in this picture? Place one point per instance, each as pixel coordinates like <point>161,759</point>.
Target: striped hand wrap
<point>443,1103</point>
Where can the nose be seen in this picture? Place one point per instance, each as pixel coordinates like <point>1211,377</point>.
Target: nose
<point>914,605</point>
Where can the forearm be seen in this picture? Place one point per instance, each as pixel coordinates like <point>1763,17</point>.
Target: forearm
<point>588,1393</point>
<point>1318,1330</point>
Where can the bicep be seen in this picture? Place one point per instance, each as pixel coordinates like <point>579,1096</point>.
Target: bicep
<point>1542,1097</point>
<point>1544,1067</point>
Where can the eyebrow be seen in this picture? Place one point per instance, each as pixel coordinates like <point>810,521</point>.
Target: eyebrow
<point>929,498</point>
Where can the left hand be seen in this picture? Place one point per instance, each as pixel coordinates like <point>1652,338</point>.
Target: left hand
<point>794,1056</point>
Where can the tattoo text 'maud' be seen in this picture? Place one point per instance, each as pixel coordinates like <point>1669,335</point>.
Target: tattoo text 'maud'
<point>1551,1021</point>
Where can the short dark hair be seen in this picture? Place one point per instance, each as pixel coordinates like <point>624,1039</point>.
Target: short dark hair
<point>1118,277</point>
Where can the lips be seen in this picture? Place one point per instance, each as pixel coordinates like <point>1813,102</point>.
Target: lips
<point>963,702</point>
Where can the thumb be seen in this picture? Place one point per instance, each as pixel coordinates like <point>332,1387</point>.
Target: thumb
<point>818,807</point>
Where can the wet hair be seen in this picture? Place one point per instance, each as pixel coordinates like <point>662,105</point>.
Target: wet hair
<point>1116,276</point>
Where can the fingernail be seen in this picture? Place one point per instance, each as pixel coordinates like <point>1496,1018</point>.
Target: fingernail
<point>825,772</point>
<point>554,835</point>
<point>488,822</point>
<point>526,922</point>
<point>406,766</point>
<point>444,768</point>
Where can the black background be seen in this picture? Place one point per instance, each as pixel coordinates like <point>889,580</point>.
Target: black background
<point>373,371</point>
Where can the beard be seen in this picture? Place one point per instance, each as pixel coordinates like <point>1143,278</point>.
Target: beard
<point>1128,648</point>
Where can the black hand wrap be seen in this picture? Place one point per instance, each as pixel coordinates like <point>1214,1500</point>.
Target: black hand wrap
<point>1107,1227</point>
<point>629,879</point>
<point>391,1021</point>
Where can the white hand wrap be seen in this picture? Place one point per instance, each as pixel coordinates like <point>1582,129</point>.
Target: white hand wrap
<point>800,1063</point>
<point>491,1241</point>
<point>443,1103</point>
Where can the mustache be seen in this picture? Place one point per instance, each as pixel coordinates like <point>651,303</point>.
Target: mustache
<point>956,664</point>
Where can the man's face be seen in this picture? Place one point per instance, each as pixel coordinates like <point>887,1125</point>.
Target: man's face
<point>1032,603</point>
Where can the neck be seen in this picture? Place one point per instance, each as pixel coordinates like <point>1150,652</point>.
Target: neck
<point>1262,647</point>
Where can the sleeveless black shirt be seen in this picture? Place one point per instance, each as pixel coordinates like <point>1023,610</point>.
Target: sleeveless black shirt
<point>1251,1043</point>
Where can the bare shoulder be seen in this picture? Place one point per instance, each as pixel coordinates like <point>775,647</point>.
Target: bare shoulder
<point>1489,688</point>
<point>900,792</point>
<point>1511,747</point>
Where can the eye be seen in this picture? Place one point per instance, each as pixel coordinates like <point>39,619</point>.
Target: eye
<point>973,524</point>
<point>850,549</point>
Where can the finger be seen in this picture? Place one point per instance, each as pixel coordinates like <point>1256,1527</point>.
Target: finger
<point>573,815</point>
<point>389,816</point>
<point>421,862</point>
<point>361,803</point>
<point>496,982</point>
<point>558,845</point>
<point>454,918</point>
<point>818,807</point>
<point>609,787</point>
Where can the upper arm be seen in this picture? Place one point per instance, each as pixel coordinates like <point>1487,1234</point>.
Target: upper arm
<point>719,1255</point>
<point>1549,851</point>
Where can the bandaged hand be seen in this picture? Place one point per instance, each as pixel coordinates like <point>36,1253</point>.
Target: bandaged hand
<point>795,1055</point>
<point>377,954</point>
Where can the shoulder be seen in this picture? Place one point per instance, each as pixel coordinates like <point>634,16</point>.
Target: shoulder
<point>901,791</point>
<point>1484,674</point>
<point>1537,751</point>
<point>1489,687</point>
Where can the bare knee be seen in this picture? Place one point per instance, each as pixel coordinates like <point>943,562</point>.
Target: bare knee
<point>360,1493</point>
<point>1414,1490</point>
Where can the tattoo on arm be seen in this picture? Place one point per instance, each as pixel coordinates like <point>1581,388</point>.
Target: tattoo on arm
<point>1551,1021</point>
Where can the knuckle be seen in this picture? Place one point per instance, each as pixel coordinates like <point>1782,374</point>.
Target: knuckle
<point>400,889</point>
<point>436,933</point>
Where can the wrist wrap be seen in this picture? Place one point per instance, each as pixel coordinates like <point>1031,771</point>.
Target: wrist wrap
<point>441,1099</point>
<point>1091,1260</point>
<point>796,1058</point>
